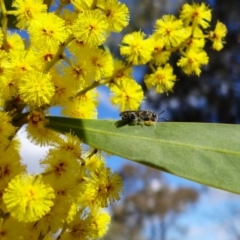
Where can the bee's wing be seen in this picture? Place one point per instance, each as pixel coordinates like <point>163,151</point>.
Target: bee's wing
<point>124,112</point>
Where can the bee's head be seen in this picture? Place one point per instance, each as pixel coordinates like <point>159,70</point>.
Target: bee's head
<point>154,117</point>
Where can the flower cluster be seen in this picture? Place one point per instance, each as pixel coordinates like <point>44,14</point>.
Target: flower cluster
<point>62,64</point>
<point>185,35</point>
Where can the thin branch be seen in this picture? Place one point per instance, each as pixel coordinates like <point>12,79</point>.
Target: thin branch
<point>4,24</point>
<point>96,84</point>
<point>48,3</point>
<point>58,55</point>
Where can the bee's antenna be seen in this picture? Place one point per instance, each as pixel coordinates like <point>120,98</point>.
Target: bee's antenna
<point>163,118</point>
<point>161,112</point>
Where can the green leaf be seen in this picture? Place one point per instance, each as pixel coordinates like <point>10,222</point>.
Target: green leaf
<point>205,153</point>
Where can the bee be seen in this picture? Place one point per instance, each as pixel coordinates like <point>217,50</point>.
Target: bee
<point>146,117</point>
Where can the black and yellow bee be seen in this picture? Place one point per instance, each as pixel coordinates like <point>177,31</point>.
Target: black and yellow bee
<point>146,117</point>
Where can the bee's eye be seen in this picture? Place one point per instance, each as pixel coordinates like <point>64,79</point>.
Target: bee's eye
<point>154,117</point>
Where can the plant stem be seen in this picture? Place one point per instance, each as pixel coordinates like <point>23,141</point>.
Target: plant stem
<point>4,24</point>
<point>58,55</point>
<point>96,84</point>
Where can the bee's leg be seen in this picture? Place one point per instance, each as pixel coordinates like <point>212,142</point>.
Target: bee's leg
<point>140,122</point>
<point>136,122</point>
<point>132,123</point>
<point>149,123</point>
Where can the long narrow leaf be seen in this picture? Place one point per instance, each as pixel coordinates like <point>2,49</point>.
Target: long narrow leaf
<point>205,153</point>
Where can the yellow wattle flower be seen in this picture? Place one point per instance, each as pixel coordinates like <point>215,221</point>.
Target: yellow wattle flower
<point>163,79</point>
<point>217,36</point>
<point>117,14</point>
<point>36,88</point>
<point>196,14</point>
<point>27,10</point>
<point>91,27</point>
<point>170,30</point>
<point>47,30</point>
<point>27,198</point>
<point>127,94</point>
<point>192,61</point>
<point>136,48</point>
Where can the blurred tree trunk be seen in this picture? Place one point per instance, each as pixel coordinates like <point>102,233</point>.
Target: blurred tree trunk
<point>149,205</point>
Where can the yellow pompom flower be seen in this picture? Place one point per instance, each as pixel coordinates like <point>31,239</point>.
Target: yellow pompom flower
<point>23,62</point>
<point>27,10</point>
<point>82,227</point>
<point>37,118</point>
<point>192,61</point>
<point>170,30</point>
<point>117,73</point>
<point>120,72</point>
<point>195,39</point>
<point>47,29</point>
<point>83,106</point>
<point>70,143</point>
<point>72,212</point>
<point>117,14</point>
<point>163,79</point>
<point>64,168</point>
<point>196,14</point>
<point>8,88</point>
<point>32,231</point>
<point>15,43</point>
<point>65,87</point>
<point>90,96</point>
<point>36,130</point>
<point>8,85</point>
<point>6,129</point>
<point>79,49</point>
<point>160,54</point>
<point>6,229</point>
<point>102,220</point>
<point>82,5</point>
<point>101,64</point>
<point>44,55</point>
<point>57,216</point>
<point>36,88</point>
<point>6,67</point>
<point>108,187</point>
<point>128,94</point>
<point>80,108</point>
<point>93,162</point>
<point>69,17</point>
<point>137,49</point>
<point>10,164</point>
<point>91,27</point>
<point>217,36</point>
<point>27,198</point>
<point>195,43</point>
<point>79,72</point>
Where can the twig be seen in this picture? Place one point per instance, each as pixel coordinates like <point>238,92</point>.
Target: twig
<point>4,24</point>
<point>58,55</point>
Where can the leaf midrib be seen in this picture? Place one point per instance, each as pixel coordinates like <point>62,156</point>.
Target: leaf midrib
<point>169,142</point>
